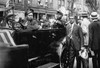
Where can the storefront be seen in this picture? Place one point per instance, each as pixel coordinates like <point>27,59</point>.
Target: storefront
<point>3,12</point>
<point>39,12</point>
<point>18,13</point>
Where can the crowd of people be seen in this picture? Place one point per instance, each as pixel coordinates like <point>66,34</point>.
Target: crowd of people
<point>33,24</point>
<point>83,32</point>
<point>84,40</point>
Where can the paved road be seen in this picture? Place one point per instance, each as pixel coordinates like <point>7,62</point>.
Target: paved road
<point>90,63</point>
<point>55,65</point>
<point>49,65</point>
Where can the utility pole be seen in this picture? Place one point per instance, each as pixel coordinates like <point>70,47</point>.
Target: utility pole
<point>13,7</point>
<point>82,5</point>
<point>71,3</point>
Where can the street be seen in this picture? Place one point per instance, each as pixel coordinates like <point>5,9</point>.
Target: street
<point>49,33</point>
<point>56,65</point>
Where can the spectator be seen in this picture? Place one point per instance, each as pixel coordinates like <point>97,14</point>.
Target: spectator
<point>45,22</point>
<point>74,32</point>
<point>94,39</point>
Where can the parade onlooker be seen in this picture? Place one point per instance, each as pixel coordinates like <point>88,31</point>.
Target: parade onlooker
<point>74,32</point>
<point>94,39</point>
<point>52,21</point>
<point>45,22</point>
<point>64,19</point>
<point>84,24</point>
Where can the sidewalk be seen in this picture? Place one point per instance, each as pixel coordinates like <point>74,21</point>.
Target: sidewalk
<point>90,63</point>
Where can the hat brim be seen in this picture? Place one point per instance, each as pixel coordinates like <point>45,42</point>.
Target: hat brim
<point>94,17</point>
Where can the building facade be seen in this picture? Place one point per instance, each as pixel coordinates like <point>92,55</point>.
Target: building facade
<point>40,7</point>
<point>48,7</point>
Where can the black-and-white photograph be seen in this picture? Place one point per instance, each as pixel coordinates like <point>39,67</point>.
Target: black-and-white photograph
<point>49,33</point>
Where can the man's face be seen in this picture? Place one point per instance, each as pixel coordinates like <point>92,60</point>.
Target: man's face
<point>44,17</point>
<point>72,20</point>
<point>57,16</point>
<point>30,16</point>
<point>64,18</point>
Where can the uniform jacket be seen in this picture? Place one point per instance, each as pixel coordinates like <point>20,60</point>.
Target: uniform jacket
<point>94,35</point>
<point>77,36</point>
<point>33,25</point>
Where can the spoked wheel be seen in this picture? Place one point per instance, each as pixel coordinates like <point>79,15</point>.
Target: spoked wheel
<point>65,58</point>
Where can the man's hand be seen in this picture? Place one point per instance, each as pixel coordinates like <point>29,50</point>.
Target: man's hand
<point>83,53</point>
<point>82,48</point>
<point>92,53</point>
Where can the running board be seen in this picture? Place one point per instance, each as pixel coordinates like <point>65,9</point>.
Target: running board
<point>49,65</point>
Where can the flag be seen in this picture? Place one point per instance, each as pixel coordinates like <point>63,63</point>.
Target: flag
<point>5,37</point>
<point>7,3</point>
<point>4,3</point>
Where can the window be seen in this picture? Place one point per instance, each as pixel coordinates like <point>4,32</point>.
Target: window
<point>51,1</point>
<point>1,13</point>
<point>12,1</point>
<point>46,1</point>
<point>39,2</point>
<point>63,2</point>
<point>59,2</point>
<point>19,1</point>
<point>29,1</point>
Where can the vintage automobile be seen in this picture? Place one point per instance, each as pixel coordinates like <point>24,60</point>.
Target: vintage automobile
<point>40,43</point>
<point>43,44</point>
<point>11,55</point>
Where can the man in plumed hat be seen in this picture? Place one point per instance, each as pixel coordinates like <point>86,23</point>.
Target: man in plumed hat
<point>58,17</point>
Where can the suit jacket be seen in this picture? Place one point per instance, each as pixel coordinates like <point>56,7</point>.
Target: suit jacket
<point>94,35</point>
<point>77,36</point>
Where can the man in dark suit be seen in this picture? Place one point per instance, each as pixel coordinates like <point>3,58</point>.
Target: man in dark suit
<point>94,39</point>
<point>74,32</point>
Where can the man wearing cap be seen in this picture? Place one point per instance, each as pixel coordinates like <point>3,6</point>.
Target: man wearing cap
<point>94,39</point>
<point>84,24</point>
<point>30,23</point>
<point>74,32</point>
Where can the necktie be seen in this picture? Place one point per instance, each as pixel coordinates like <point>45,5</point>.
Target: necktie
<point>70,29</point>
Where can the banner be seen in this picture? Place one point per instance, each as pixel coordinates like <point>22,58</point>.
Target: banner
<point>5,3</point>
<point>63,10</point>
<point>79,8</point>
